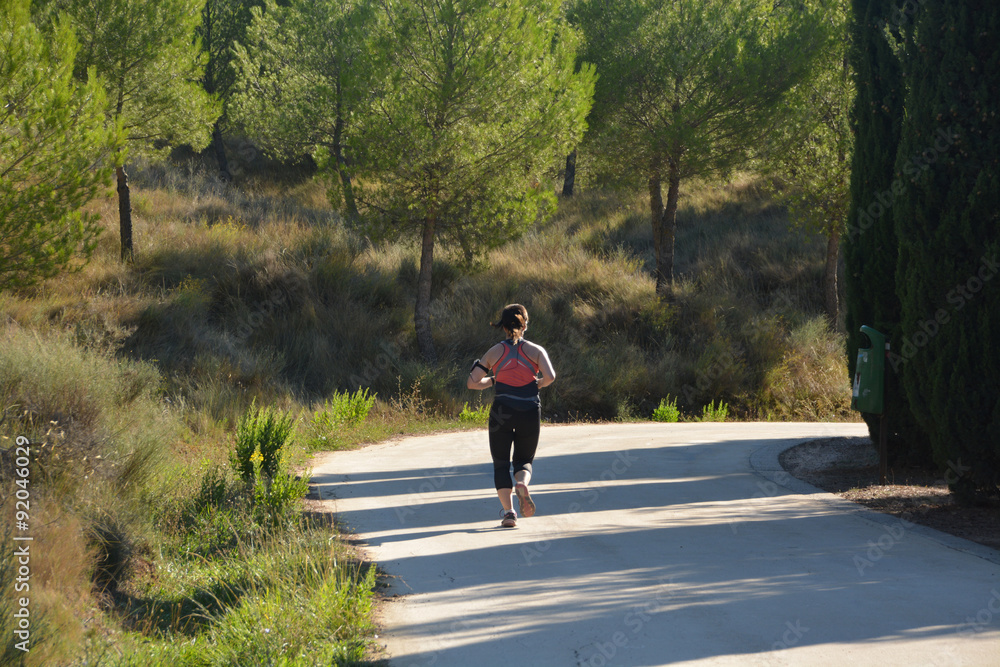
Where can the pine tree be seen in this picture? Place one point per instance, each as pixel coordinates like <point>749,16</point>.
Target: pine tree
<point>53,146</point>
<point>689,88</point>
<point>303,79</point>
<point>482,98</point>
<point>809,155</point>
<point>146,53</point>
<point>948,225</point>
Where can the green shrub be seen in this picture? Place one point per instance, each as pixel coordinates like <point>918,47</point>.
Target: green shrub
<point>264,431</point>
<point>267,628</point>
<point>339,411</point>
<point>276,498</point>
<point>667,411</point>
<point>476,415</point>
<point>714,413</point>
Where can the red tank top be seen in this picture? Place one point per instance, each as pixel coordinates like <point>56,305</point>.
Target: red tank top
<point>515,368</point>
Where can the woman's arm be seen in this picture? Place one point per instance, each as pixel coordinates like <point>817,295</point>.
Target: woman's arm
<point>479,379</point>
<point>544,366</point>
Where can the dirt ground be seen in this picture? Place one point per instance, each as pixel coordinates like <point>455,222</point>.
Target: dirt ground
<point>848,467</point>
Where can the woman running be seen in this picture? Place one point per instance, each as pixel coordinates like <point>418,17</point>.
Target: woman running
<point>516,413</point>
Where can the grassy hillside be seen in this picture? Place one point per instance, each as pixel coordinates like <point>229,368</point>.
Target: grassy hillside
<point>236,295</point>
<point>134,377</point>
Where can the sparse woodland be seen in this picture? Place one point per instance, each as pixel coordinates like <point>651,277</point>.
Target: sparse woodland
<point>234,233</point>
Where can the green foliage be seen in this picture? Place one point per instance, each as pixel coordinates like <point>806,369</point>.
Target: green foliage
<point>304,79</point>
<point>947,220</point>
<point>347,409</point>
<point>260,459</point>
<point>477,415</point>
<point>667,411</point>
<point>714,413</point>
<point>261,432</point>
<point>100,419</point>
<point>482,98</point>
<point>223,27</point>
<point>871,246</point>
<point>214,520</point>
<point>806,383</point>
<point>341,410</point>
<point>53,143</point>
<point>810,151</point>
<point>301,600</point>
<point>688,88</point>
<point>276,497</point>
<point>151,65</point>
<point>293,584</point>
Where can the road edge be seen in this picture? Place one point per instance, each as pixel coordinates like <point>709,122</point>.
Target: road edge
<point>764,462</point>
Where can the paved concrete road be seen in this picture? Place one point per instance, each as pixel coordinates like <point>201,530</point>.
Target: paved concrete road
<point>655,544</point>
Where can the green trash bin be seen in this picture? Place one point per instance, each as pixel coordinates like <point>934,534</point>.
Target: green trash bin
<point>869,375</point>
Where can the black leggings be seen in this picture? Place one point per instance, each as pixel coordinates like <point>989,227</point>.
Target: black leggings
<point>517,427</point>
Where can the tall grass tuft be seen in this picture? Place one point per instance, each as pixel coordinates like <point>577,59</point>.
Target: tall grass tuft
<point>343,410</point>
<point>93,418</point>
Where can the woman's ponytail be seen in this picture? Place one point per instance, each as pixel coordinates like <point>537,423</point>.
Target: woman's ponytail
<point>512,320</point>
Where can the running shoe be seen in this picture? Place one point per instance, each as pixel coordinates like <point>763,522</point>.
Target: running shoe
<point>524,500</point>
<point>509,519</point>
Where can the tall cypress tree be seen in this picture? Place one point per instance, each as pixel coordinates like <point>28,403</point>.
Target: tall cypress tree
<point>870,244</point>
<point>948,226</point>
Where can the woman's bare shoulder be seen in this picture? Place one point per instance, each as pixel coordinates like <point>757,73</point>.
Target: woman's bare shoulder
<point>534,350</point>
<point>493,354</point>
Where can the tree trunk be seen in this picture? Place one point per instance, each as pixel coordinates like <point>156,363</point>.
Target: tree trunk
<point>349,204</point>
<point>656,211</point>
<point>220,154</point>
<point>124,213</point>
<point>345,178</point>
<point>570,178</point>
<point>668,231</point>
<point>831,292</point>
<point>422,311</point>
